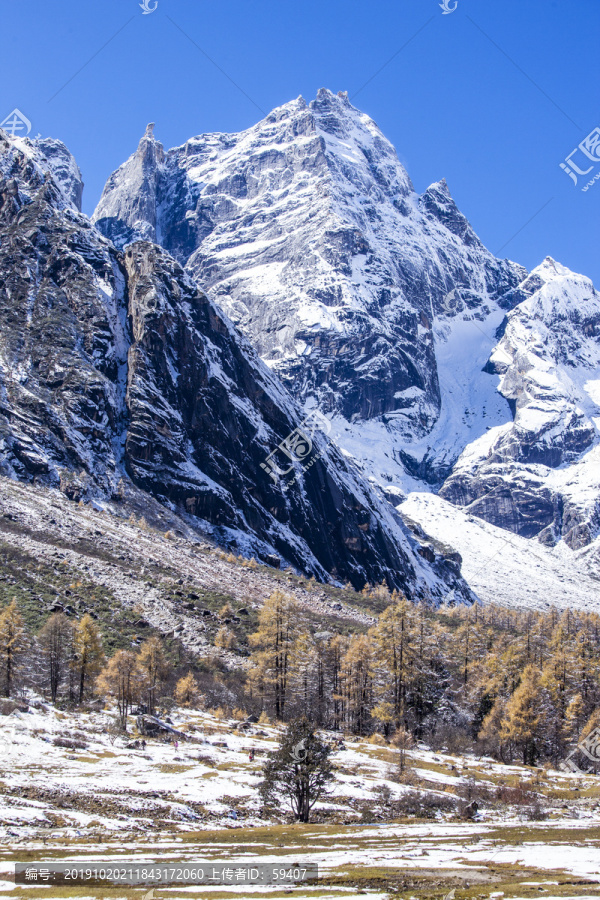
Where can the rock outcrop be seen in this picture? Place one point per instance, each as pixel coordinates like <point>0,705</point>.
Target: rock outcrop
<point>539,475</point>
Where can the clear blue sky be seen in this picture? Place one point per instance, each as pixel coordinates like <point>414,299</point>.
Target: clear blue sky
<point>493,96</point>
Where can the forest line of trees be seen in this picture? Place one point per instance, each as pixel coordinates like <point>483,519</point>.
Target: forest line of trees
<point>518,684</point>
<point>521,685</point>
<point>67,661</point>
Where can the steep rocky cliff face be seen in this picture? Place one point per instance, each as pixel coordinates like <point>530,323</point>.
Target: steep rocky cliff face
<point>63,342</point>
<point>204,415</point>
<point>115,365</point>
<point>307,231</point>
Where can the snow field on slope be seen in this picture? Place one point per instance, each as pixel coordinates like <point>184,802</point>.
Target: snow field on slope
<point>504,568</point>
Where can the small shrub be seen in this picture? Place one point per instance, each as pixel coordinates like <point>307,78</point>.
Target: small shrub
<point>422,805</point>
<point>407,776</point>
<point>536,812</point>
<point>69,743</point>
<point>114,729</point>
<point>451,739</point>
<point>385,799</point>
<point>515,796</point>
<point>205,759</point>
<point>473,791</point>
<point>377,739</point>
<point>468,811</point>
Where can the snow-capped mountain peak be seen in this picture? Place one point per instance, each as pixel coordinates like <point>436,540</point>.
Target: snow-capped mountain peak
<point>117,374</point>
<point>307,231</point>
<point>434,359</point>
<point>539,475</point>
<point>43,160</point>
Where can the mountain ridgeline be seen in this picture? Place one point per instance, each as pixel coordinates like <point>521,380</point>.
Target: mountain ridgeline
<point>332,287</point>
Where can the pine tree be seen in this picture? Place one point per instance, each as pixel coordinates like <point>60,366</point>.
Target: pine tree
<point>12,644</point>
<point>89,655</point>
<point>575,718</point>
<point>395,636</point>
<point>154,662</point>
<point>523,717</point>
<point>302,671</point>
<point>403,741</point>
<point>225,639</point>
<point>357,682</point>
<point>335,653</point>
<point>384,713</point>
<point>123,679</point>
<point>187,692</point>
<point>298,770</point>
<point>490,733</point>
<point>56,639</point>
<point>279,625</point>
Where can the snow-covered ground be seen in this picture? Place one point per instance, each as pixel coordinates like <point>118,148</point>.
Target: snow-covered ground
<point>109,801</point>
